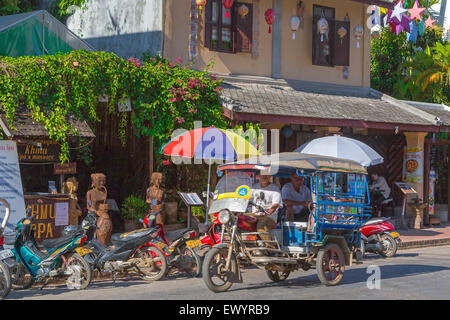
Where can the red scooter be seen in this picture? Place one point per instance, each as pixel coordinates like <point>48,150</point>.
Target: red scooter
<point>378,236</point>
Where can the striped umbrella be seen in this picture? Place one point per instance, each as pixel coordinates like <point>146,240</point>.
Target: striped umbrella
<point>210,144</point>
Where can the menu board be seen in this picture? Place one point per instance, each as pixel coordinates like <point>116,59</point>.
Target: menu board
<point>191,199</point>
<point>405,188</point>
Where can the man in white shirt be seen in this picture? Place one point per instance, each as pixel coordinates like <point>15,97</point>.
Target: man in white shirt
<point>381,191</point>
<point>297,198</point>
<point>266,195</point>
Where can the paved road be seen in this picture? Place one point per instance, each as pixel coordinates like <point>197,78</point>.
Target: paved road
<point>412,274</point>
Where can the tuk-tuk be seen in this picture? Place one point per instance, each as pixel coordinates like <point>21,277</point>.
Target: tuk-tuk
<point>329,240</point>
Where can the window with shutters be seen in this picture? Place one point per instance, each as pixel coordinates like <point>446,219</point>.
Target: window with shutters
<point>227,34</point>
<point>333,47</point>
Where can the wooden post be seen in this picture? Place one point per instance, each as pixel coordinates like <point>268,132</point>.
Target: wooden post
<point>426,178</point>
<point>448,181</point>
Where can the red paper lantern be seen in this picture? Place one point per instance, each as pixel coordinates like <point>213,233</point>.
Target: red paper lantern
<point>270,17</point>
<point>227,4</point>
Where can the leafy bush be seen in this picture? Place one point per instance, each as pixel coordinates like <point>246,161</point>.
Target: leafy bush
<point>134,208</point>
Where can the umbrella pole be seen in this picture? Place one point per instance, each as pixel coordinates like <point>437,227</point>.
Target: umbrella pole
<point>207,193</point>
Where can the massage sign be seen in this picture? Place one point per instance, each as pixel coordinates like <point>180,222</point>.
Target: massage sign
<point>38,151</point>
<point>52,216</point>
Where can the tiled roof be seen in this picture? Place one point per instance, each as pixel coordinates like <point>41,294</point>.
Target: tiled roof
<point>255,95</point>
<point>440,111</point>
<point>28,127</point>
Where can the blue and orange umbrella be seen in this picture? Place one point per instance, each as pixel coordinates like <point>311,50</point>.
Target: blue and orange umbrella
<point>210,144</point>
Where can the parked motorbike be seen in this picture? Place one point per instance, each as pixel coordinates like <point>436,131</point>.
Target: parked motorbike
<point>179,247</point>
<point>27,263</point>
<point>378,236</point>
<point>126,253</point>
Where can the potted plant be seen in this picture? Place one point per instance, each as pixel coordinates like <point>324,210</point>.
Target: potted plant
<point>133,209</point>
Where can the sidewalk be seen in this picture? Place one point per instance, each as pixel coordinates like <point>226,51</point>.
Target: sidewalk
<point>427,237</point>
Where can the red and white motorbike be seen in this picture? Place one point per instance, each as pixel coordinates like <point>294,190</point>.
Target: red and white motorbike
<point>378,235</point>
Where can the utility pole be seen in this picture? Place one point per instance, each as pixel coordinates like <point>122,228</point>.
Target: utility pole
<point>442,13</point>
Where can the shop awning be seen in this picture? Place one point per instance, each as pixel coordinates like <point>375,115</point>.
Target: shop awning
<point>256,99</point>
<point>36,33</point>
<point>26,126</point>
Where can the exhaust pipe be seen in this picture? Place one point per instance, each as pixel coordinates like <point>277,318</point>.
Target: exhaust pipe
<point>373,247</point>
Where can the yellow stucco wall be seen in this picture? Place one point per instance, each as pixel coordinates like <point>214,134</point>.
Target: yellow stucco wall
<point>296,54</point>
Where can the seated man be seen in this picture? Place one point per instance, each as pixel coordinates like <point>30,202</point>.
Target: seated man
<point>266,195</point>
<point>381,191</point>
<point>297,198</point>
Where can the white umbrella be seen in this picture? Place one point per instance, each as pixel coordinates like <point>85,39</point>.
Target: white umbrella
<point>344,148</point>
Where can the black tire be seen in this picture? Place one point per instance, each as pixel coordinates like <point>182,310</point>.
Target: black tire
<point>5,280</point>
<point>330,264</point>
<point>86,271</point>
<point>154,263</point>
<point>277,276</point>
<point>389,245</point>
<point>20,278</point>
<point>215,259</point>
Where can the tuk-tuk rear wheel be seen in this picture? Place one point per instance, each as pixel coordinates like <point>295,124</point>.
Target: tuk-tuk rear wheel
<point>330,264</point>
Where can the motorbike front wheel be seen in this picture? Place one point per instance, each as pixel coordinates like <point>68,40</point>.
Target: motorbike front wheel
<point>389,245</point>
<point>5,280</point>
<point>81,272</point>
<point>216,278</point>
<point>152,265</point>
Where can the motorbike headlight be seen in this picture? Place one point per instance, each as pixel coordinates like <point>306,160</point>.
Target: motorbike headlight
<point>224,216</point>
<point>85,224</point>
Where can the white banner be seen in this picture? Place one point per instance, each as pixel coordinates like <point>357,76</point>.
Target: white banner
<point>11,184</point>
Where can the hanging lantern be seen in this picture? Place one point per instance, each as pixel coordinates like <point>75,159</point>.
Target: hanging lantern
<point>294,22</point>
<point>323,27</point>
<point>200,5</point>
<point>342,32</point>
<point>227,4</point>
<point>243,11</point>
<point>358,33</point>
<point>270,17</point>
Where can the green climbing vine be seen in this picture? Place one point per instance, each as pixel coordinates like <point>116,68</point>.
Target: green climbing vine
<point>18,6</point>
<point>164,95</point>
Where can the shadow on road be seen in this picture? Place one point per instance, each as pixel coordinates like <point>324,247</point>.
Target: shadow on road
<point>351,276</point>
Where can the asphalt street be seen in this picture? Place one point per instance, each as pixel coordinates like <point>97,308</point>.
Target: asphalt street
<point>422,273</point>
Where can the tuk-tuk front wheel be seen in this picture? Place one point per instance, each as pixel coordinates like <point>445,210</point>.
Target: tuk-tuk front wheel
<point>277,276</point>
<point>330,264</point>
<point>216,278</point>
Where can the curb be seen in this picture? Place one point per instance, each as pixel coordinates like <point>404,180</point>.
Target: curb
<point>424,243</point>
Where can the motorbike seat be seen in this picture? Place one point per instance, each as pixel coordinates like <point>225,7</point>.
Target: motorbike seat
<point>376,220</point>
<point>130,236</point>
<point>54,243</point>
<point>174,235</point>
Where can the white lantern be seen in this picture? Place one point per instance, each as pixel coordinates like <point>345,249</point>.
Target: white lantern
<point>294,22</point>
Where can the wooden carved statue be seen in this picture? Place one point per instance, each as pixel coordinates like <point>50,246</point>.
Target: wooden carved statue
<point>155,196</point>
<point>70,187</point>
<point>96,202</point>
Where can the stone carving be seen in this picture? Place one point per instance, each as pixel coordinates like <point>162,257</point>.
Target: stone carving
<point>155,196</point>
<point>96,202</point>
<point>70,187</point>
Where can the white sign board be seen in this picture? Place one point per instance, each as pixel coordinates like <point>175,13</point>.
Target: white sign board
<point>11,184</point>
<point>61,214</point>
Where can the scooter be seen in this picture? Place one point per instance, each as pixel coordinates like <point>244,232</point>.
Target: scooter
<point>378,236</point>
<point>179,248</point>
<point>126,253</point>
<point>60,260</point>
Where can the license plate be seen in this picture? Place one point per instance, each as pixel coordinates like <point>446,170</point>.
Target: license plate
<point>193,243</point>
<point>395,235</point>
<point>83,250</point>
<point>5,254</point>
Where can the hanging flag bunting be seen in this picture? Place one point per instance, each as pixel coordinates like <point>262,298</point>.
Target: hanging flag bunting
<point>405,22</point>
<point>412,34</point>
<point>398,11</point>
<point>421,28</point>
<point>429,23</point>
<point>416,11</point>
